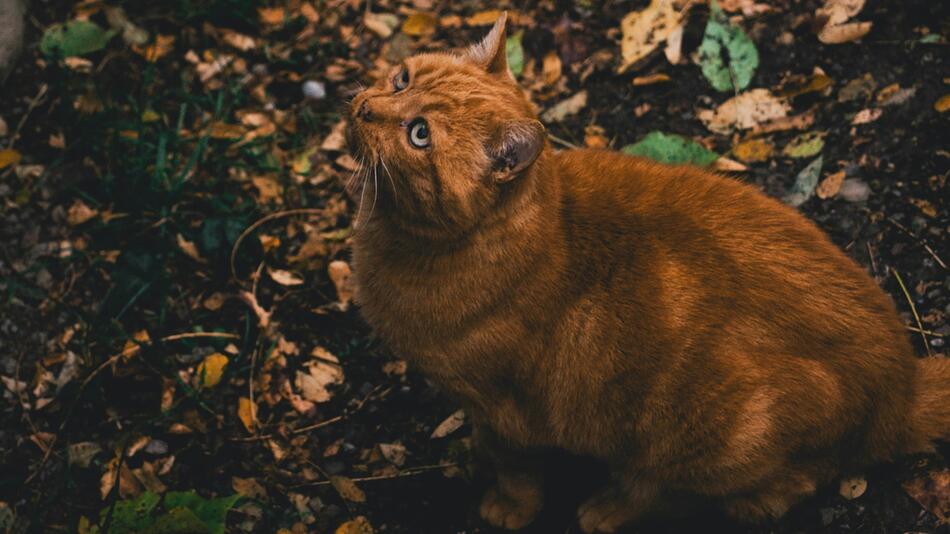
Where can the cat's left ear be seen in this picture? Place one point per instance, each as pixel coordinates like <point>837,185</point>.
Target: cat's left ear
<point>490,53</point>
<point>516,146</point>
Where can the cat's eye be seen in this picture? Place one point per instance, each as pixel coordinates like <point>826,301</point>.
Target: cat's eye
<point>401,81</point>
<point>419,133</point>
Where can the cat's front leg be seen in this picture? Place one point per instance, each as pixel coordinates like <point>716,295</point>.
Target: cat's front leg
<point>517,495</point>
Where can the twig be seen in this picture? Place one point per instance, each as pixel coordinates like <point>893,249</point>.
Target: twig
<point>407,473</point>
<point>920,241</point>
<point>928,332</point>
<point>913,308</point>
<point>560,141</point>
<point>257,224</point>
<point>871,255</point>
<point>34,103</point>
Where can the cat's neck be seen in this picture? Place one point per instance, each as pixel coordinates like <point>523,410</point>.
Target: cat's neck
<point>523,211</point>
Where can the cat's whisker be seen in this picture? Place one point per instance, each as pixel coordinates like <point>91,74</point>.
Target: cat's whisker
<point>375,190</point>
<point>389,174</point>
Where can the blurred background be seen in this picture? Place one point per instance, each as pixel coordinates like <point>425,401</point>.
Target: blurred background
<point>178,347</point>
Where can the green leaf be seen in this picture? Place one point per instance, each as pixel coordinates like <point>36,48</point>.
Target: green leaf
<point>726,53</point>
<point>670,148</point>
<point>211,512</point>
<point>515,54</point>
<point>805,145</point>
<point>75,38</point>
<point>805,184</point>
<point>132,516</point>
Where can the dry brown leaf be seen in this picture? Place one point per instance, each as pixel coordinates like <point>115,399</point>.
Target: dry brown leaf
<point>161,47</point>
<point>449,425</point>
<point>247,413</point>
<point>866,115</point>
<point>382,24</point>
<point>358,525</point>
<point>749,8</point>
<point>347,489</point>
<point>728,165</point>
<point>320,374</point>
<point>485,18</point>
<point>933,493</point>
<point>284,278</point>
<point>852,488</point>
<point>134,345</point>
<point>271,16</point>
<point>222,130</point>
<point>419,24</point>
<point>566,108</point>
<point>744,111</point>
<point>263,316</point>
<point>239,40</point>
<point>830,186</point>
<point>79,213</point>
<point>942,104</point>
<point>336,139</point>
<point>801,121</point>
<point>268,189</point>
<point>838,11</point>
<point>309,12</point>
<point>674,46</point>
<point>81,454</point>
<point>8,157</point>
<point>650,79</point>
<point>644,30</point>
<point>189,248</point>
<point>843,33</point>
<point>925,206</point>
<point>753,150</point>
<point>551,68</point>
<point>248,487</point>
<point>394,453</point>
<point>339,272</point>
<point>594,137</point>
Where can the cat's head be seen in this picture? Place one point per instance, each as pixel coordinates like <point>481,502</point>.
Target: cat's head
<point>444,137</point>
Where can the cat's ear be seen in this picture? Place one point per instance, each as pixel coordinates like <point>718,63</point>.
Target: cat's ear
<point>515,147</point>
<point>490,52</point>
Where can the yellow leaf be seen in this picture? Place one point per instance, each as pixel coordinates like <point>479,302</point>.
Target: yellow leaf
<point>753,150</point>
<point>133,345</point>
<point>162,46</point>
<point>247,411</point>
<point>644,30</point>
<point>359,525</point>
<point>9,157</point>
<point>483,18</point>
<point>271,16</point>
<point>650,79</point>
<point>943,104</point>
<point>79,213</point>
<point>220,130</point>
<point>267,188</point>
<point>211,369</point>
<point>347,489</point>
<point>419,24</point>
<point>150,116</point>
<point>830,186</point>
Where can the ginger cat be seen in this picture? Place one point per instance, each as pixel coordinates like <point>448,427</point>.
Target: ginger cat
<point>689,331</point>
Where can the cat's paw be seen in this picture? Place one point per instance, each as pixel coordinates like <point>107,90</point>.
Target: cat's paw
<point>510,512</point>
<point>606,512</point>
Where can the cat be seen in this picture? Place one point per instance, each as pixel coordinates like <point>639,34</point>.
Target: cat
<point>684,328</point>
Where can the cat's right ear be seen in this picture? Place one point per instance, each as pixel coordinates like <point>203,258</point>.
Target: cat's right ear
<point>516,146</point>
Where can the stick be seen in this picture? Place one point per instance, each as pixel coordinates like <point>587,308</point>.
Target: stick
<point>257,224</point>
<point>913,308</point>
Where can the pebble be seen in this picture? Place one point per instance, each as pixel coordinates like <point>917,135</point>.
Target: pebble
<point>314,90</point>
<point>854,190</point>
<point>157,447</point>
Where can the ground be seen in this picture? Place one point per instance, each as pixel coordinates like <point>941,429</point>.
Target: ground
<point>153,341</point>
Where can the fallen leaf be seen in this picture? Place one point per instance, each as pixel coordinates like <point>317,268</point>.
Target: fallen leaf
<point>161,47</point>
<point>727,55</point>
<point>565,108</point>
<point>925,206</point>
<point>754,150</point>
<point>515,54</point>
<point>271,16</point>
<point>449,425</point>
<point>419,24</point>
<point>813,84</point>
<point>805,145</point>
<point>551,68</point>
<point>866,115</point>
<point>728,165</point>
<point>248,487</point>
<point>674,46</point>
<point>594,137</point>
<point>670,148</point>
<point>189,248</point>
<point>284,278</point>
<point>486,18</point>
<point>744,111</point>
<point>335,141</point>
<point>643,31</point>
<point>805,184</point>
<point>852,488</point>
<point>394,453</point>
<point>222,130</point>
<point>942,104</point>
<point>134,345</point>
<point>320,374</point>
<point>8,157</point>
<point>79,213</point>
<point>862,87</point>
<point>263,316</point>
<point>81,454</point>
<point>211,369</point>
<point>932,491</point>
<point>650,79</point>
<point>247,412</point>
<point>239,40</point>
<point>830,186</point>
<point>339,272</point>
<point>268,189</point>
<point>749,8</point>
<point>382,24</point>
<point>347,489</point>
<point>795,122</point>
<point>74,38</point>
<point>359,525</point>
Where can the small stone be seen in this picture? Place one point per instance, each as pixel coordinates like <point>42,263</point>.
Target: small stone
<point>157,447</point>
<point>854,190</point>
<point>937,342</point>
<point>314,90</point>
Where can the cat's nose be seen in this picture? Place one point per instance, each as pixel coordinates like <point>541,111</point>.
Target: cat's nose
<point>364,113</point>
